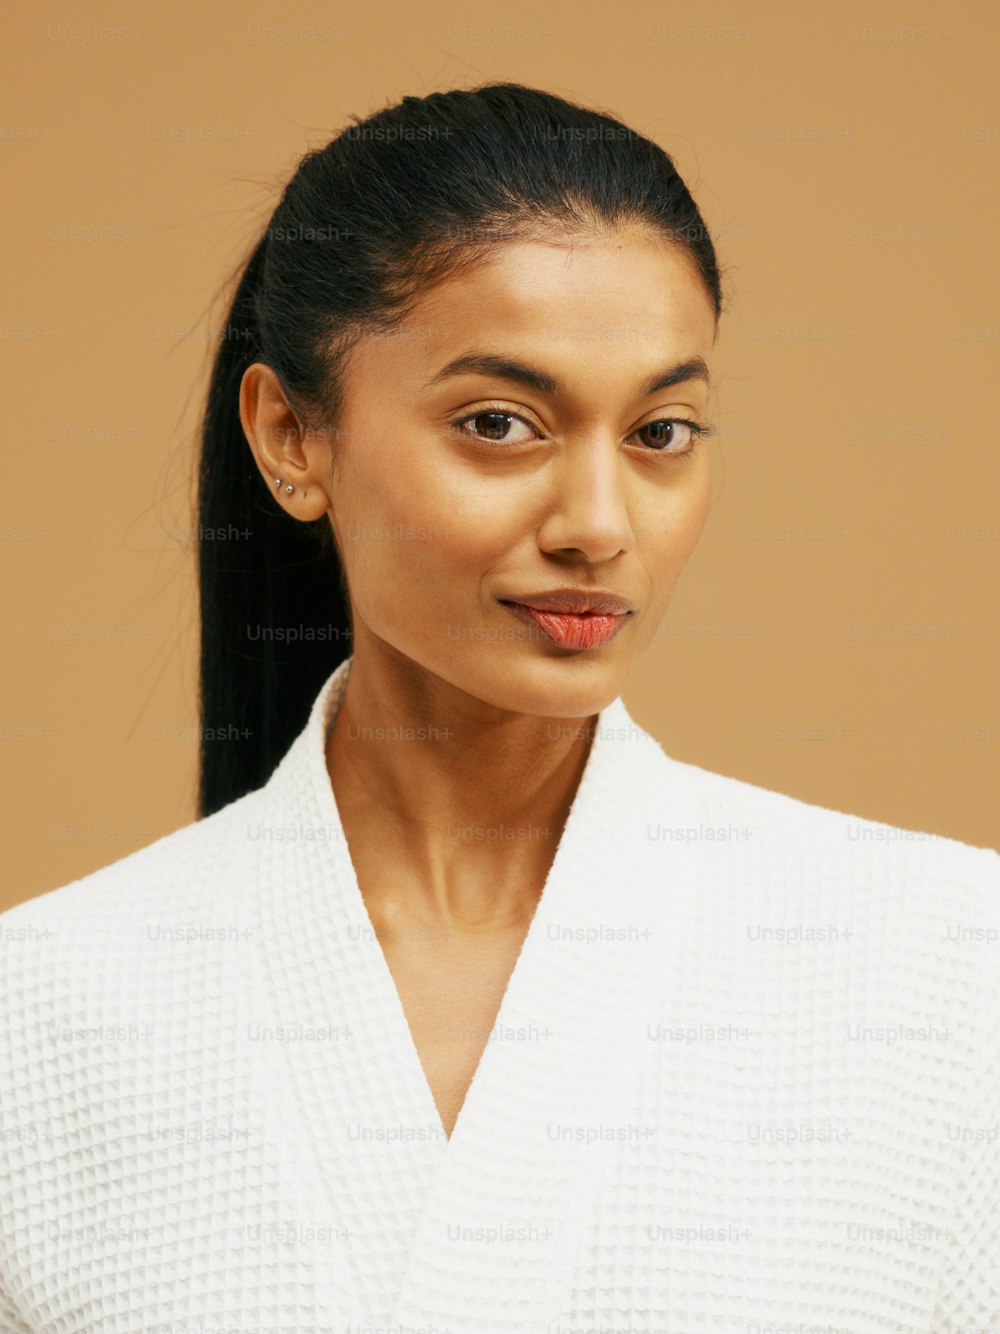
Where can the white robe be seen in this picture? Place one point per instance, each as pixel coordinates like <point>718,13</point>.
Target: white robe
<point>745,1074</point>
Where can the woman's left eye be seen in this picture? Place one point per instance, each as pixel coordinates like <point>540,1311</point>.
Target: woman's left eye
<point>664,430</point>
<point>691,433</point>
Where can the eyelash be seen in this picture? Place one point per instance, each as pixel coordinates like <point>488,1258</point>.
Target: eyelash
<point>700,430</point>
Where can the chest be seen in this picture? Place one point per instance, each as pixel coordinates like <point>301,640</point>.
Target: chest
<point>451,989</point>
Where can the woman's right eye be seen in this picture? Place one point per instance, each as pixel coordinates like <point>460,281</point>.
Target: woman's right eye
<point>490,426</point>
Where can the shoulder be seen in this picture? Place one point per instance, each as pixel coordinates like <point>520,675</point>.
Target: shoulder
<point>781,815</point>
<point>99,973</point>
<point>822,852</point>
<point>848,901</point>
<point>182,877</point>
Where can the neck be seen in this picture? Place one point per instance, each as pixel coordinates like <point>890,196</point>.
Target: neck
<point>452,815</point>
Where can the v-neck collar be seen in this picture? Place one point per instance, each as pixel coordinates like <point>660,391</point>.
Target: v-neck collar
<point>474,1228</point>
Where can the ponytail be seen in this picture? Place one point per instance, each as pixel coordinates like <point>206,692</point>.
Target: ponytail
<point>275,620</point>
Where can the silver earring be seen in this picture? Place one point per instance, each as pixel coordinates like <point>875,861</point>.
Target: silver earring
<point>289,489</point>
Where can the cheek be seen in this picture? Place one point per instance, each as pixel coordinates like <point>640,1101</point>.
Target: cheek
<point>693,512</point>
<point>672,520</point>
<point>414,533</point>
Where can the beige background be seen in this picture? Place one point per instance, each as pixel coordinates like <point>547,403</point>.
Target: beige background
<point>835,635</point>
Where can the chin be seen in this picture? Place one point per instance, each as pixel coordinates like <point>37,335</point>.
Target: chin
<point>561,687</point>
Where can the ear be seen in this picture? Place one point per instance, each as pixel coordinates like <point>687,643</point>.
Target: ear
<point>282,445</point>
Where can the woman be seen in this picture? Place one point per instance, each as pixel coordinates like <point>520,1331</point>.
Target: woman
<point>464,1006</point>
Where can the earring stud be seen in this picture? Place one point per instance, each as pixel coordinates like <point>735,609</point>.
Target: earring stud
<point>289,489</point>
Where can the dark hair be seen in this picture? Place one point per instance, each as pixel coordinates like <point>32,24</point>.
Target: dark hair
<point>394,202</point>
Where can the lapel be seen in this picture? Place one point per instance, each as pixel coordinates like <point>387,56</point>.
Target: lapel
<point>480,1229</point>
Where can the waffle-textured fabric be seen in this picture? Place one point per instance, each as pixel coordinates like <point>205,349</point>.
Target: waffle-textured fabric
<point>745,1077</point>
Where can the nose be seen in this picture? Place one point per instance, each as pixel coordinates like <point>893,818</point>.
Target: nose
<point>588,510</point>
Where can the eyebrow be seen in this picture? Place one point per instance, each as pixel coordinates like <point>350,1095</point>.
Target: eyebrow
<point>506,368</point>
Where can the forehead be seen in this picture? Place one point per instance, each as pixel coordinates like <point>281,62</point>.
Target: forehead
<point>611,285</point>
<point>579,306</point>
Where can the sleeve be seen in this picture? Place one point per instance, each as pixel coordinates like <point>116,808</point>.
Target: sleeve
<point>11,1320</point>
<point>969,1290</point>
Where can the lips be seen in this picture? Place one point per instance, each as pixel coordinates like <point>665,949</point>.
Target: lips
<point>573,601</point>
<point>570,630</point>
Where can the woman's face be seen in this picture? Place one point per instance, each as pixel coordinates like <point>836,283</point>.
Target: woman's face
<point>454,490</point>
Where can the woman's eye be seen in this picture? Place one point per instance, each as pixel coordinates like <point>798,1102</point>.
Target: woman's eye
<point>489,425</point>
<point>672,436</point>
<point>668,432</point>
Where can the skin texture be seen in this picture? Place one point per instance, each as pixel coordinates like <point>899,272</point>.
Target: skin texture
<point>434,525</point>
